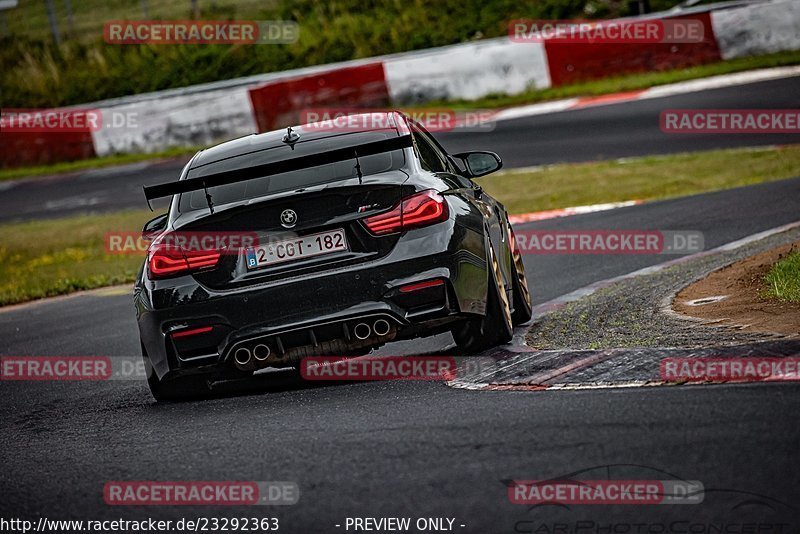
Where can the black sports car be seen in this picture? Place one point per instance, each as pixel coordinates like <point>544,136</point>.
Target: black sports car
<point>360,237</point>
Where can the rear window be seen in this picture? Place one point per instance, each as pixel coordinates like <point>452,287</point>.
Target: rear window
<point>268,185</point>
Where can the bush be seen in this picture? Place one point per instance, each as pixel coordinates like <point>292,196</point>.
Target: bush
<point>37,73</point>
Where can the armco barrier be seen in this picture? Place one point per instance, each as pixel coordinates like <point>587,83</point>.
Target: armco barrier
<point>757,29</point>
<point>194,119</point>
<point>279,103</point>
<point>466,71</point>
<point>209,113</point>
<point>575,62</point>
<point>21,148</point>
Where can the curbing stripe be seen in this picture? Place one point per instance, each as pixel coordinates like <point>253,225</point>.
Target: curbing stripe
<point>566,212</point>
<point>538,382</point>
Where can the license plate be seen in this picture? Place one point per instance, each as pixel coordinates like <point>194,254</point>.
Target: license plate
<point>296,248</point>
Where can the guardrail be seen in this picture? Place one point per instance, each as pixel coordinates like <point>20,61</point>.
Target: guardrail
<point>209,113</point>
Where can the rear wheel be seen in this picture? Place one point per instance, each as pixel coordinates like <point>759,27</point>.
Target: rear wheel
<point>494,328</point>
<point>176,389</point>
<point>519,285</point>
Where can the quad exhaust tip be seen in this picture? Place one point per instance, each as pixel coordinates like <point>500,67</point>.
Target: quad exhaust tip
<point>242,356</point>
<point>261,352</point>
<point>362,331</point>
<point>381,327</point>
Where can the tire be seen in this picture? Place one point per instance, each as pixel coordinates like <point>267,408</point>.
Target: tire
<point>494,328</point>
<point>177,389</point>
<point>520,293</point>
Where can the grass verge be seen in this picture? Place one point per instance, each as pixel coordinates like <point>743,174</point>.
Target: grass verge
<point>53,257</point>
<point>646,178</point>
<point>783,280</point>
<point>94,163</point>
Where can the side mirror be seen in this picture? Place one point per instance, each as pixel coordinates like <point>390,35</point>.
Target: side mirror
<point>480,163</point>
<point>153,227</point>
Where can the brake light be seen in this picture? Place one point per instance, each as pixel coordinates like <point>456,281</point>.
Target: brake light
<point>166,261</point>
<point>420,209</point>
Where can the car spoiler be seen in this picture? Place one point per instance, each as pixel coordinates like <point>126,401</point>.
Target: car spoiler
<point>278,167</point>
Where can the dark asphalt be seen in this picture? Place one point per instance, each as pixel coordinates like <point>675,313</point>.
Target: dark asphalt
<point>604,132</point>
<point>627,129</point>
<point>407,449</point>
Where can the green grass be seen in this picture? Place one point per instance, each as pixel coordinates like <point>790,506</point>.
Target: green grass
<point>53,257</point>
<point>783,280</point>
<point>646,178</point>
<point>30,18</point>
<point>94,163</point>
<point>628,82</point>
<point>83,68</point>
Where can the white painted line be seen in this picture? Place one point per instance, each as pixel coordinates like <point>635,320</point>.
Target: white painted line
<point>566,212</point>
<point>535,109</point>
<point>718,82</point>
<point>558,302</point>
<point>661,91</point>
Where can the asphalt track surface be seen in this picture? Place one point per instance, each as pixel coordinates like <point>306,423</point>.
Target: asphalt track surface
<point>419,449</point>
<point>413,449</point>
<point>595,133</point>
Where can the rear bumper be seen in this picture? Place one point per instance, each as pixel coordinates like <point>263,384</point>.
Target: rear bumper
<point>288,308</point>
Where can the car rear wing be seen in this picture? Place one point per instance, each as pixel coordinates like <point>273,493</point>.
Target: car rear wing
<point>278,167</point>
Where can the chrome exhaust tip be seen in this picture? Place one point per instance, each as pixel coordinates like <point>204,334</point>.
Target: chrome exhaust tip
<point>242,356</point>
<point>362,331</point>
<point>381,327</point>
<point>261,352</point>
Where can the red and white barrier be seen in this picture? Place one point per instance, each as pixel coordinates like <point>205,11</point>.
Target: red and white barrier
<point>210,113</point>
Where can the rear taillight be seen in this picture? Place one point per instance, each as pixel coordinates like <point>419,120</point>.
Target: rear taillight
<point>420,209</point>
<point>165,261</point>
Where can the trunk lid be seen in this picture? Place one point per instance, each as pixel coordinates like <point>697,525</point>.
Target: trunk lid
<point>338,205</point>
